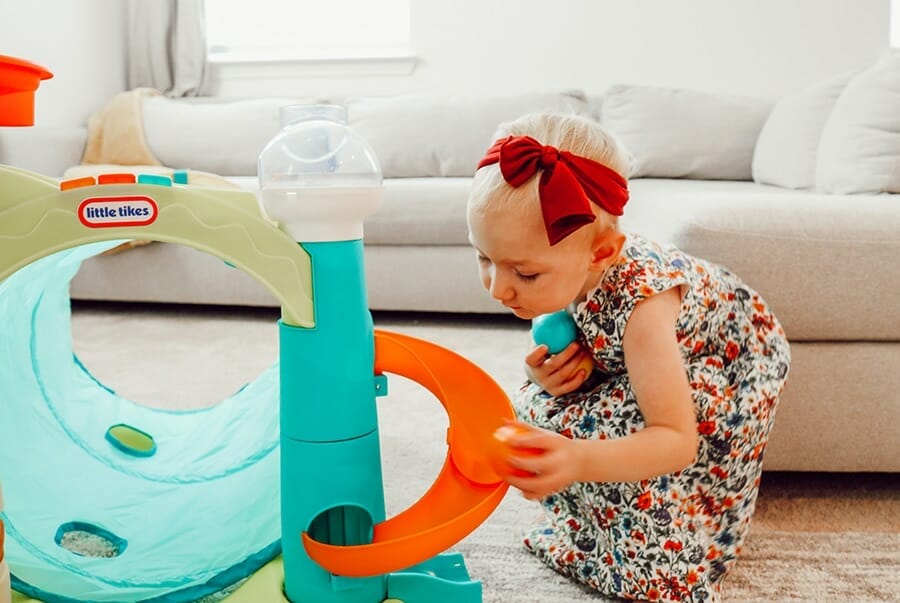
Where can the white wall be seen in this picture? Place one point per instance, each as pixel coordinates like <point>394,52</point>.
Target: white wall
<point>756,47</point>
<point>81,42</point>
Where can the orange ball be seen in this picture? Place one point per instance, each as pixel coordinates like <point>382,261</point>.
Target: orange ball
<point>502,449</point>
<point>587,365</point>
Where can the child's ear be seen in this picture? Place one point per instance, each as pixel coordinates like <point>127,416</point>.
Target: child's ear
<point>606,248</point>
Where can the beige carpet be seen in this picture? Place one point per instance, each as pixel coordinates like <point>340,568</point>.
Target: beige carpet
<point>816,537</point>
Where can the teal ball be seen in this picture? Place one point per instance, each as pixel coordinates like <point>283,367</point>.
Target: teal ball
<point>556,331</point>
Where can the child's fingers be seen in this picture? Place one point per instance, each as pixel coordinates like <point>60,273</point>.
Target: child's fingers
<point>575,359</point>
<point>536,357</point>
<point>529,437</point>
<point>569,352</point>
<point>572,383</point>
<point>532,488</point>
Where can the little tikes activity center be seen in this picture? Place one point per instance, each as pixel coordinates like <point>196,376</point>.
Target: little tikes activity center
<point>282,480</point>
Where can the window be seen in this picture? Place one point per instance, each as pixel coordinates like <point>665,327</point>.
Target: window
<point>273,30</point>
<point>895,23</point>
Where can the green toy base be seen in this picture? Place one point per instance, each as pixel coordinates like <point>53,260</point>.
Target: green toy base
<point>265,586</point>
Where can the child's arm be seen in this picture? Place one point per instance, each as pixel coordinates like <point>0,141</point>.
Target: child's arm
<point>667,444</point>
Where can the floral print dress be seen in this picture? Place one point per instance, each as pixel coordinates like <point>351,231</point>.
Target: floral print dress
<point>673,537</point>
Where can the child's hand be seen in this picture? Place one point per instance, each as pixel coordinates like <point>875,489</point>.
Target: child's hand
<point>561,373</point>
<point>553,469</point>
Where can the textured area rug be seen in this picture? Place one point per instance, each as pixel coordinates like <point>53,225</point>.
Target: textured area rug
<point>816,537</point>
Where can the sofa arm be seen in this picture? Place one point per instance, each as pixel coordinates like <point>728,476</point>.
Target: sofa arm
<point>43,149</point>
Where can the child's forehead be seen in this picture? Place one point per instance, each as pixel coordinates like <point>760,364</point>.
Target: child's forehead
<point>513,212</point>
<point>509,226</point>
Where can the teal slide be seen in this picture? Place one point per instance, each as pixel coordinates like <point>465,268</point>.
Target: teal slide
<point>181,504</point>
<point>195,511</point>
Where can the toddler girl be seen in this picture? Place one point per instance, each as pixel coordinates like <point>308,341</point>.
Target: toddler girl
<point>650,464</point>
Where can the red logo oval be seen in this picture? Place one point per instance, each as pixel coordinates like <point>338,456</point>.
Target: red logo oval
<point>118,211</point>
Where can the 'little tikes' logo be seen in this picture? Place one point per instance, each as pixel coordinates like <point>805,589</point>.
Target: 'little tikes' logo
<point>110,212</point>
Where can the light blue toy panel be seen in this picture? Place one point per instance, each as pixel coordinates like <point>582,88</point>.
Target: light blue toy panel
<point>201,512</point>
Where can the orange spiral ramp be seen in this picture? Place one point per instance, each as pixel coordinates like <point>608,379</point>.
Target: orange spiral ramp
<point>467,489</point>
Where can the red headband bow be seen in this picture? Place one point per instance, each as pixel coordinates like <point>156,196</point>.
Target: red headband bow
<point>568,185</point>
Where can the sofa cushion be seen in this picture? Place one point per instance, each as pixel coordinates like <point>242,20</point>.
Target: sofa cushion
<point>676,133</point>
<point>430,135</point>
<point>219,136</point>
<point>788,144</point>
<point>659,206</point>
<point>415,212</point>
<point>825,263</point>
<point>421,211</point>
<point>801,250</point>
<point>47,150</point>
<point>860,147</point>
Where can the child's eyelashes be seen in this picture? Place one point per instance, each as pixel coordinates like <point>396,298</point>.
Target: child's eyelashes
<point>525,277</point>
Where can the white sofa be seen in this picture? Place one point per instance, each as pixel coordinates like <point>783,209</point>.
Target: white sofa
<point>797,195</point>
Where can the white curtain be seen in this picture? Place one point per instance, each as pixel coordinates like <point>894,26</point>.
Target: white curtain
<point>167,46</point>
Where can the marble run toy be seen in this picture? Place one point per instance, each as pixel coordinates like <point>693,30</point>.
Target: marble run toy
<point>191,502</point>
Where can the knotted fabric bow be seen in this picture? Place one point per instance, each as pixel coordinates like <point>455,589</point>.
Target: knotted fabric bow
<point>568,184</point>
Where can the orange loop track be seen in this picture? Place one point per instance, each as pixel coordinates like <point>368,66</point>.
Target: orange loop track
<point>467,489</point>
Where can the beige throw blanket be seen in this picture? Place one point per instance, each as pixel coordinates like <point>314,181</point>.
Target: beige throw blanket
<point>116,131</point>
<point>116,143</point>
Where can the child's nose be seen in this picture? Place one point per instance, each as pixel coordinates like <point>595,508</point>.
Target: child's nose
<point>501,289</point>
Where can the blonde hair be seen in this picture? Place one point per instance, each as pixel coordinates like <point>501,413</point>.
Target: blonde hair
<point>567,132</point>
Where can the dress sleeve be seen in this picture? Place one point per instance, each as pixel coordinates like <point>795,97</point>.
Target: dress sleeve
<point>643,270</point>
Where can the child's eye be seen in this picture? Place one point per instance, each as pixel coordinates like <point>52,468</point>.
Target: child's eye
<point>482,259</point>
<point>527,277</point>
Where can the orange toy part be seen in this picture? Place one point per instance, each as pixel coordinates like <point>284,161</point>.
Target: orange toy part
<point>71,183</point>
<point>502,449</point>
<point>466,490</point>
<point>19,80</point>
<point>117,178</point>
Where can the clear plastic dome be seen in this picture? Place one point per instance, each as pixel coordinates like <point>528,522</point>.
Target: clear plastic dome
<point>315,147</point>
<point>318,179</point>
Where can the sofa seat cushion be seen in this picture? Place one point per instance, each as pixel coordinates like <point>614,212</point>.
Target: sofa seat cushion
<point>659,206</point>
<point>421,211</point>
<point>825,263</point>
<point>415,211</point>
